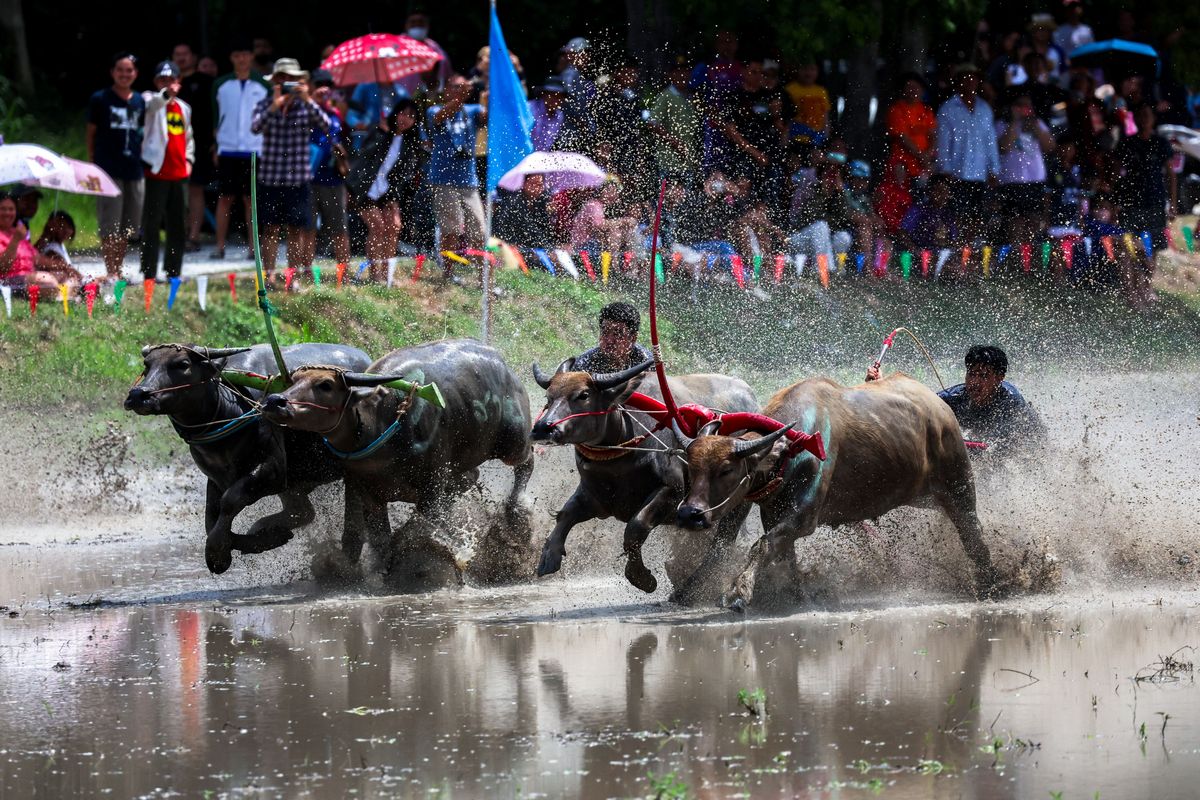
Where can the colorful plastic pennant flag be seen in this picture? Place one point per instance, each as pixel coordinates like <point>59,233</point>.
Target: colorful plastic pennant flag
<point>676,261</point>
<point>64,294</point>
<point>173,292</point>
<point>89,296</point>
<point>341,274</point>
<point>289,275</point>
<point>419,264</point>
<point>1045,255</point>
<point>757,267</point>
<point>1026,256</point>
<point>881,262</point>
<point>1188,239</point>
<point>591,272</point>
<point>1002,256</point>
<point>1148,244</point>
<point>233,287</point>
<point>1109,250</point>
<point>1129,245</point>
<point>544,257</point>
<point>567,263</point>
<point>316,273</point>
<point>33,290</point>
<point>943,257</point>
<point>147,292</point>
<point>801,259</point>
<point>860,260</point>
<point>202,291</point>
<point>658,267</point>
<point>1068,251</point>
<point>841,262</point>
<point>966,257</point>
<point>391,271</point>
<point>739,271</point>
<point>905,264</point>
<point>1170,238</point>
<point>987,261</point>
<point>779,262</point>
<point>628,262</point>
<point>6,292</point>
<point>823,268</point>
<point>455,257</point>
<point>925,254</point>
<point>118,295</point>
<point>605,265</point>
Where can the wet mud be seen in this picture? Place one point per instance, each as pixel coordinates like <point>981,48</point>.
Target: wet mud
<point>127,670</point>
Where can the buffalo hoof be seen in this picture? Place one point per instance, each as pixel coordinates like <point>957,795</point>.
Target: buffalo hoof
<point>637,574</point>
<point>262,541</point>
<point>331,565</point>
<point>218,554</point>
<point>551,560</point>
<point>737,605</point>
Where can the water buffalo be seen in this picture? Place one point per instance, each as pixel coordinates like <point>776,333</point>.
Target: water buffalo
<point>244,457</point>
<point>639,480</point>
<point>889,443</point>
<point>401,448</point>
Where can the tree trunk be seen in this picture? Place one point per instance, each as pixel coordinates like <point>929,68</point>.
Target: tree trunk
<point>13,21</point>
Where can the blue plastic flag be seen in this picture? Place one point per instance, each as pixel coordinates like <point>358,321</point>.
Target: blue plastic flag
<point>509,119</point>
<point>544,257</point>
<point>1148,244</point>
<point>174,291</point>
<point>1004,251</point>
<point>860,259</point>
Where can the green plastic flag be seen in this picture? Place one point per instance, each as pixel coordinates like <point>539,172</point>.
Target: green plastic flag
<point>1188,233</point>
<point>316,275</point>
<point>1045,255</point>
<point>658,267</point>
<point>905,264</point>
<point>757,266</point>
<point>118,294</point>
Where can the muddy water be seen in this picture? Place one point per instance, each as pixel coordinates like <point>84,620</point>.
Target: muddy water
<point>179,684</point>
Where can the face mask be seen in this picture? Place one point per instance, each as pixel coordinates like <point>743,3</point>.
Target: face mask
<point>418,33</point>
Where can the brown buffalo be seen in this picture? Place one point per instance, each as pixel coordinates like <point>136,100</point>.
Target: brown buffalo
<point>889,443</point>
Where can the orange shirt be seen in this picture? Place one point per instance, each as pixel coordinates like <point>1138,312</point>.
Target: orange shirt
<point>812,104</point>
<point>916,121</point>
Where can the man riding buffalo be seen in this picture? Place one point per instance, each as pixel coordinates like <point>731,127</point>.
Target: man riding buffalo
<point>989,407</point>
<point>618,349</point>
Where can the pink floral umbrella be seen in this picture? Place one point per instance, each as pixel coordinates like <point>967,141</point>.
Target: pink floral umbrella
<point>379,58</point>
<point>82,178</point>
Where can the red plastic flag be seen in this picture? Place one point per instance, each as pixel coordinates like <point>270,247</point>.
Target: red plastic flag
<point>779,262</point>
<point>233,287</point>
<point>587,264</point>
<point>676,261</point>
<point>925,254</point>
<point>739,271</point>
<point>823,269</point>
<point>418,266</point>
<point>1068,251</point>
<point>341,274</point>
<point>33,290</point>
<point>1107,241</point>
<point>289,274</point>
<point>147,292</point>
<point>628,261</point>
<point>1026,256</point>
<point>89,295</point>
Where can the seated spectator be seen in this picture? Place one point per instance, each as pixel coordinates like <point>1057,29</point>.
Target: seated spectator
<point>52,245</point>
<point>819,220</point>
<point>1147,186</point>
<point>28,199</point>
<point>811,103</point>
<point>1132,271</point>
<point>1064,185</point>
<point>931,223</point>
<point>893,199</point>
<point>598,226</point>
<point>1023,141</point>
<point>20,265</point>
<point>869,229</point>
<point>383,179</point>
<point>548,115</point>
<point>523,218</point>
<point>911,127</point>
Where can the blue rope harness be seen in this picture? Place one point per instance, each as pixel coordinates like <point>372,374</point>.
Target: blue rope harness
<point>379,442</point>
<point>225,431</point>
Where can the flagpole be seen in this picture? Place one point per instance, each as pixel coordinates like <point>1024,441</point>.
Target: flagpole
<point>485,323</point>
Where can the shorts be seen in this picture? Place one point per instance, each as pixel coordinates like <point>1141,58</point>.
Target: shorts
<point>285,205</point>
<point>458,210</point>
<point>969,198</point>
<point>1023,199</point>
<point>203,171</point>
<point>233,176</point>
<point>328,205</point>
<point>121,215</point>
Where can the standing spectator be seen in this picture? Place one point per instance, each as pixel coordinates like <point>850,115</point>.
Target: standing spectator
<point>893,198</point>
<point>811,103</point>
<point>235,97</point>
<point>417,27</point>
<point>196,89</point>
<point>208,66</point>
<point>1024,142</point>
<point>1147,185</point>
<point>369,104</point>
<point>264,55</point>
<point>721,75</point>
<point>114,143</point>
<point>579,126</point>
<point>286,121</point>
<point>1049,99</point>
<point>1073,32</point>
<point>168,151</point>
<point>931,223</point>
<point>451,127</point>
<point>1041,31</point>
<point>911,127</point>
<point>382,179</point>
<point>328,156</point>
<point>966,145</point>
<point>676,123</point>
<point>548,114</point>
<point>622,118</point>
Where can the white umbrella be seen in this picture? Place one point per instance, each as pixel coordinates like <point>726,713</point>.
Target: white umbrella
<point>562,170</point>
<point>23,162</point>
<point>82,177</point>
<point>1184,138</point>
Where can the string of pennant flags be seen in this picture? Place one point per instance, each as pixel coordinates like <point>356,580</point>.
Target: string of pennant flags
<point>559,261</point>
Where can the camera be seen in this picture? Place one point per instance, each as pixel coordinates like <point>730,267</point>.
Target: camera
<point>291,87</point>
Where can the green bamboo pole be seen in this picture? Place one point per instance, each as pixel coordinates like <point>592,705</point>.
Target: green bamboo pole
<point>263,302</point>
<point>268,384</point>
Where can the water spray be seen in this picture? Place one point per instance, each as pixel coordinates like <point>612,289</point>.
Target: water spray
<point>659,367</point>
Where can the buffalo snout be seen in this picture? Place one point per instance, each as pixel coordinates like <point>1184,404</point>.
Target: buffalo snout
<point>275,404</point>
<point>543,432</point>
<point>137,399</point>
<point>692,517</point>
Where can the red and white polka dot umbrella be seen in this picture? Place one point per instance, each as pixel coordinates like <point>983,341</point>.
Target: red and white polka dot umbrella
<point>379,57</point>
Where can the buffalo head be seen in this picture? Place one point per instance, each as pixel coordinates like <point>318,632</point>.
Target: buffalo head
<point>172,373</point>
<point>720,471</point>
<point>577,403</point>
<point>318,397</point>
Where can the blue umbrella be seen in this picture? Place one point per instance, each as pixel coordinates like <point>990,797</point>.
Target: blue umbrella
<point>1117,56</point>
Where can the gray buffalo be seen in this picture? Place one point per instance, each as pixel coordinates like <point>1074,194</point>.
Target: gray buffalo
<point>243,457</point>
<point>889,443</point>
<point>400,447</point>
<point>624,473</point>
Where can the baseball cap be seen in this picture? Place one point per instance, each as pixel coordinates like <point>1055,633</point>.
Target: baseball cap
<point>577,45</point>
<point>166,69</point>
<point>322,77</point>
<point>860,169</point>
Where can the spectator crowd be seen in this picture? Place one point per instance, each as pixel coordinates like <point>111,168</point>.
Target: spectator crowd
<point>988,155</point>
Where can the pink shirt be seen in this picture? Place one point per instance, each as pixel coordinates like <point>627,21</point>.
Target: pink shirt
<point>587,224</point>
<point>24,261</point>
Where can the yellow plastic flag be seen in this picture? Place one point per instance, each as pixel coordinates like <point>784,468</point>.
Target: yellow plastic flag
<point>605,264</point>
<point>841,262</point>
<point>987,261</point>
<point>1129,245</point>
<point>455,257</point>
<point>65,294</point>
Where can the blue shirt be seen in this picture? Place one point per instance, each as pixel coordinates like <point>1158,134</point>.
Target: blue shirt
<point>371,102</point>
<point>118,142</point>
<point>453,160</point>
<point>1005,417</point>
<point>966,140</point>
<point>320,152</point>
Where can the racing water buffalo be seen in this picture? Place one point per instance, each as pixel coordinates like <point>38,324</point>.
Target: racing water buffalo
<point>244,457</point>
<point>888,443</point>
<point>400,447</point>
<point>623,473</point>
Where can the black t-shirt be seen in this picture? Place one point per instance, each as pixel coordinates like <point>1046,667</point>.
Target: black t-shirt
<point>1143,184</point>
<point>595,361</point>
<point>197,91</point>
<point>118,133</point>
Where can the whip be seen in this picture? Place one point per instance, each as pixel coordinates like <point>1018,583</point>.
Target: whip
<point>891,337</point>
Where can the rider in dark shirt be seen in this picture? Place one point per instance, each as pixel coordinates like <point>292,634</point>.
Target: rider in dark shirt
<point>618,349</point>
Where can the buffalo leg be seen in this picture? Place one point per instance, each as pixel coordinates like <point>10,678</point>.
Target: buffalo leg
<point>276,530</point>
<point>659,509</point>
<point>774,553</point>
<point>343,564</point>
<point>218,549</point>
<point>421,561</point>
<point>212,505</point>
<point>522,472</point>
<point>959,504</point>
<point>576,510</point>
<point>688,591</point>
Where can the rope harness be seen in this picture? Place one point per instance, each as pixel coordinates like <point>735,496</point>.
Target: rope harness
<point>610,452</point>
<point>381,439</point>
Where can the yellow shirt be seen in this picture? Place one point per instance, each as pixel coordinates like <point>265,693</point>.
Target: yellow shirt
<point>812,104</point>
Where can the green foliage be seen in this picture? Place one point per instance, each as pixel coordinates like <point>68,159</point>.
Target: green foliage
<point>668,787</point>
<point>753,701</point>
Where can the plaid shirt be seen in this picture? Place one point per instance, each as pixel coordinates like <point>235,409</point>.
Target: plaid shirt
<point>286,133</point>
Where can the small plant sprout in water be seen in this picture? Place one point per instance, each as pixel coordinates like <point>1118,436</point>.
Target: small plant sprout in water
<point>668,787</point>
<point>753,701</point>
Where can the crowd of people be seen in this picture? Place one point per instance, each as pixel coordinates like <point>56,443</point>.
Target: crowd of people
<point>999,150</point>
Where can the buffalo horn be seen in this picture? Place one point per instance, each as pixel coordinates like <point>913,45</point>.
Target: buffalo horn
<point>607,380</point>
<point>213,353</point>
<point>146,350</point>
<point>543,380</point>
<point>709,428</point>
<point>683,438</point>
<point>367,379</point>
<point>746,447</point>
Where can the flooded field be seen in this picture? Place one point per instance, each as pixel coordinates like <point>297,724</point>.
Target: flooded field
<point>127,670</point>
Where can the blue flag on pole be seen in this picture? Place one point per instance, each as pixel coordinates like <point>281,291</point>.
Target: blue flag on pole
<point>509,119</point>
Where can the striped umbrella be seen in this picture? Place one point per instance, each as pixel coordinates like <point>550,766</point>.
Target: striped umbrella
<point>379,58</point>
